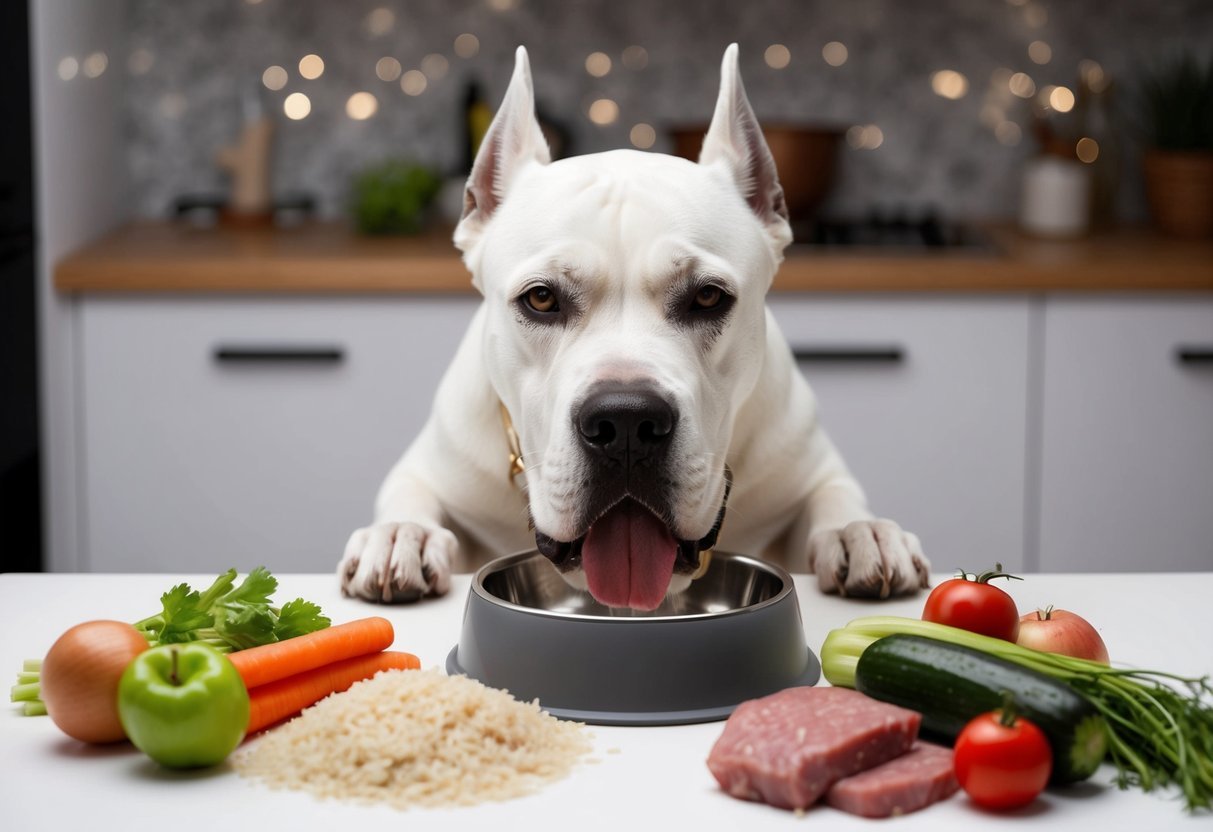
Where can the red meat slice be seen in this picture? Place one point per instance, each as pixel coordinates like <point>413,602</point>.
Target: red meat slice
<point>787,749</point>
<point>911,782</point>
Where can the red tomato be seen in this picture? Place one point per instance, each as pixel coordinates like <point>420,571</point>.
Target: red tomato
<point>1002,761</point>
<point>1059,631</point>
<point>970,603</point>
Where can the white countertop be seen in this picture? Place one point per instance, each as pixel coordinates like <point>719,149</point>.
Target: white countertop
<point>645,778</point>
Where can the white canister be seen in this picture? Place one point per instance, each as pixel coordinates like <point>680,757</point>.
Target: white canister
<point>1056,197</point>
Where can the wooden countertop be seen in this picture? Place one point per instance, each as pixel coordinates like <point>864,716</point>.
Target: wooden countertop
<point>331,258</point>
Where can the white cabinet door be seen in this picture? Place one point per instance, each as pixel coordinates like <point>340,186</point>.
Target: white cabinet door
<point>239,432</point>
<point>926,400</point>
<point>1127,473</point>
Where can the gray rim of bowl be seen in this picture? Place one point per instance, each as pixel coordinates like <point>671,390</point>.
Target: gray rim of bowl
<point>509,560</point>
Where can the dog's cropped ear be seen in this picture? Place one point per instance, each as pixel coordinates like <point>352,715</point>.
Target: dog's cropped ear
<point>513,140</point>
<point>735,139</point>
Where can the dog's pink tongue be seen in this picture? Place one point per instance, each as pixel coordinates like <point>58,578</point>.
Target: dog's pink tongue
<point>628,558</point>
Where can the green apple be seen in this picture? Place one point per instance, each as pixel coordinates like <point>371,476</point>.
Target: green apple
<point>184,705</point>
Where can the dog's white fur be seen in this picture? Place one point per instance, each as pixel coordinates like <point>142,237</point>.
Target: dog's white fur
<point>623,232</point>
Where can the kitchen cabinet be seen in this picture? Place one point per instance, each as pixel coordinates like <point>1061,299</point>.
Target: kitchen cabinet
<point>1059,433</point>
<point>1127,434</point>
<point>925,398</point>
<point>229,432</point>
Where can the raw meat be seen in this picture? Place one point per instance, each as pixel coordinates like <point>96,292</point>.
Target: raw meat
<point>787,749</point>
<point>908,783</point>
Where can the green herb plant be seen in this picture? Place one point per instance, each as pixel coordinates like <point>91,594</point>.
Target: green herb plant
<point>393,197</point>
<point>1176,101</point>
<point>227,617</point>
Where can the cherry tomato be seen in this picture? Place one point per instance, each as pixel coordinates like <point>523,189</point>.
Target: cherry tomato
<point>972,604</point>
<point>1002,761</point>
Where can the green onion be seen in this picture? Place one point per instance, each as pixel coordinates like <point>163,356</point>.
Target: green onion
<point>1160,725</point>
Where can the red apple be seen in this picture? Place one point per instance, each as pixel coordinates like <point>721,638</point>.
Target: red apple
<point>1060,631</point>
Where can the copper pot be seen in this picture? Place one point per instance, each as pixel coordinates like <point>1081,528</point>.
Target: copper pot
<point>1179,188</point>
<point>804,156</point>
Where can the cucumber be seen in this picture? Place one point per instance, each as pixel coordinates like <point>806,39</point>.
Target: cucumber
<point>949,685</point>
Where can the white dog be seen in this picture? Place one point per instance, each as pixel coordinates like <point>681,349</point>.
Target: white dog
<point>624,332</point>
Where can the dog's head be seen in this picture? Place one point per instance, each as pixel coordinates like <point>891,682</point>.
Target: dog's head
<point>625,309</point>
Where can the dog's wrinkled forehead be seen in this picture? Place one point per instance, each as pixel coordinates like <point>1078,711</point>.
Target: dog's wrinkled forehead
<point>629,214</point>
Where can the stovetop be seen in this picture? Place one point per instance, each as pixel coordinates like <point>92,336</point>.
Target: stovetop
<point>892,231</point>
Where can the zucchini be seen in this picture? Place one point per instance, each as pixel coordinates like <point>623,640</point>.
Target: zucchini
<point>949,685</point>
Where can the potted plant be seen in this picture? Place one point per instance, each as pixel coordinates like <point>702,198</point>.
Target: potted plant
<point>393,197</point>
<point>1177,105</point>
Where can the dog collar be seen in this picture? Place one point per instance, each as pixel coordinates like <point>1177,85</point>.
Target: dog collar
<point>514,445</point>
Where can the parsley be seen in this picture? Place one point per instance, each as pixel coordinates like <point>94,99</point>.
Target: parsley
<point>230,617</point>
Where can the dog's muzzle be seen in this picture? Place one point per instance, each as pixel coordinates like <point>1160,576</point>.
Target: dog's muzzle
<point>628,552</point>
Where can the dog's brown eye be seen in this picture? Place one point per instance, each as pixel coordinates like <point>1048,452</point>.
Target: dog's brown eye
<point>708,297</point>
<point>541,299</point>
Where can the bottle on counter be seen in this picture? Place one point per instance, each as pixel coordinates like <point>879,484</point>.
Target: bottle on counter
<point>477,116</point>
<point>1056,195</point>
<point>1098,144</point>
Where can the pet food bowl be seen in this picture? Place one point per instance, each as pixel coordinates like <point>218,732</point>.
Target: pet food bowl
<point>734,635</point>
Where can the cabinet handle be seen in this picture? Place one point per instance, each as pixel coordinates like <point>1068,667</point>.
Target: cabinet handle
<point>877,354</point>
<point>1194,356</point>
<point>279,354</point>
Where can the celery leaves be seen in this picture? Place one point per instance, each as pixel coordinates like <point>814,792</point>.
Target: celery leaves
<point>299,618</point>
<point>229,616</point>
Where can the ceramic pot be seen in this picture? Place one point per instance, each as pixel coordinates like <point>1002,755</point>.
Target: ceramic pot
<point>1179,190</point>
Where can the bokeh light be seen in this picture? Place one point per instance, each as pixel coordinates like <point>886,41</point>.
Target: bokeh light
<point>635,57</point>
<point>274,77</point>
<point>642,135</point>
<point>604,111</point>
<point>297,106</point>
<point>413,82</point>
<point>834,53</point>
<point>777,56</point>
<point>948,83</point>
<point>387,68</point>
<point>311,67</point>
<point>361,106</point>
<point>598,64</point>
<point>1087,149</point>
<point>467,45</point>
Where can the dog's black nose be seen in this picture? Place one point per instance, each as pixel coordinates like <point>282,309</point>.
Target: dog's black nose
<point>626,422</point>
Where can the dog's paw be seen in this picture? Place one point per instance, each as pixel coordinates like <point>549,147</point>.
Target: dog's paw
<point>397,563</point>
<point>869,559</point>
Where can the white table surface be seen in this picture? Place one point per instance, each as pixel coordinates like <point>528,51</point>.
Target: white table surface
<point>646,778</point>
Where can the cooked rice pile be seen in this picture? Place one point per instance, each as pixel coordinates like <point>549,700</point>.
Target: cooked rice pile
<point>417,738</point>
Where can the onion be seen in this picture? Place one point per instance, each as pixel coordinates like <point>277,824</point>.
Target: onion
<point>80,678</point>
<point>1060,631</point>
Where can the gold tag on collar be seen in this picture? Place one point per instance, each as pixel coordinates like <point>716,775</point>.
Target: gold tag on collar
<point>512,442</point>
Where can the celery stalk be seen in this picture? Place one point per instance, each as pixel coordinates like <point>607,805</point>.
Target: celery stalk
<point>23,693</point>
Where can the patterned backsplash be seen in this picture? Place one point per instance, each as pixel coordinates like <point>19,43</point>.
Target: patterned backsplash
<point>931,92</point>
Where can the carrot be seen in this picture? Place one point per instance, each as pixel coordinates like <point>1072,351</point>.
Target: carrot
<point>271,662</point>
<point>278,700</point>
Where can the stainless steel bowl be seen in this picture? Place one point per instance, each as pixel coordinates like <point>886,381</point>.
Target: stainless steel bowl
<point>734,635</point>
